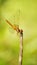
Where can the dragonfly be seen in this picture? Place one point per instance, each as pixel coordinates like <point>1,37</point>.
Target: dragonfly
<point>15,26</point>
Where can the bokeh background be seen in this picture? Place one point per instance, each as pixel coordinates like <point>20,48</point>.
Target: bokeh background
<point>9,40</point>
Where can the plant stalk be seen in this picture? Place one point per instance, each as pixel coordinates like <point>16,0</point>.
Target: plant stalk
<point>21,48</point>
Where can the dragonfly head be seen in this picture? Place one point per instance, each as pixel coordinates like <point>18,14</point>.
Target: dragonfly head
<point>21,31</point>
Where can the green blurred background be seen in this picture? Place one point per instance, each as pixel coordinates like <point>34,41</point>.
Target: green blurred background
<point>10,41</point>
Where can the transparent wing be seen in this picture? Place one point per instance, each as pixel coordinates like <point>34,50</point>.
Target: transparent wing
<point>15,21</point>
<point>11,30</point>
<point>17,17</point>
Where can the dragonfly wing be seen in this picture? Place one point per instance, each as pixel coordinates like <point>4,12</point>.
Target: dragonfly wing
<point>11,30</point>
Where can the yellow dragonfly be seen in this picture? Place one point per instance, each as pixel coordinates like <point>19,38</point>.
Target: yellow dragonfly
<point>15,26</point>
